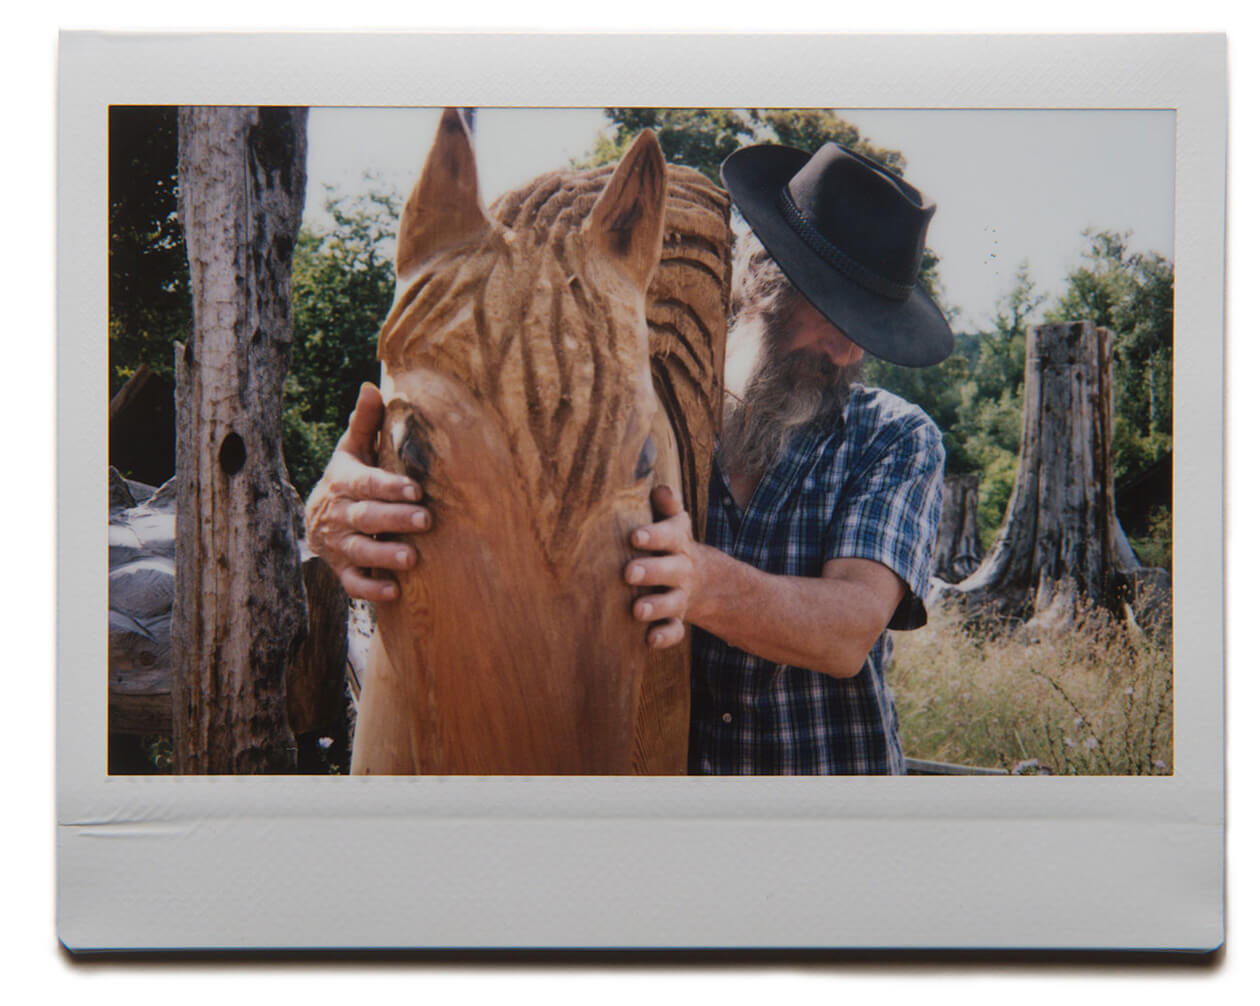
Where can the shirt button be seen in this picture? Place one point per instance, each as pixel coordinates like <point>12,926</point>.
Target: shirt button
<point>727,717</point>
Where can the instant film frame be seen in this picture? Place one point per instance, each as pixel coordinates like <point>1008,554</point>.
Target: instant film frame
<point>911,862</point>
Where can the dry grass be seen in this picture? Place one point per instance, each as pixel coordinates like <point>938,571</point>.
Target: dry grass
<point>1096,699</point>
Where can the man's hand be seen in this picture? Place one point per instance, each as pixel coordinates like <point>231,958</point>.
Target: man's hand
<point>355,500</point>
<point>677,568</point>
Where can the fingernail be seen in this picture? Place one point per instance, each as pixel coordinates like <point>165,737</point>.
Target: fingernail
<point>645,611</point>
<point>403,557</point>
<point>640,538</point>
<point>411,493</point>
<point>391,592</point>
<point>634,574</point>
<point>420,520</point>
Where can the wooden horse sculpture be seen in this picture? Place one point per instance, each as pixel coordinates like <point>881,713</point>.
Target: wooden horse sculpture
<point>545,364</point>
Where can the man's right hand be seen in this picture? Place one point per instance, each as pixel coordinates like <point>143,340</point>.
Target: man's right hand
<point>355,500</point>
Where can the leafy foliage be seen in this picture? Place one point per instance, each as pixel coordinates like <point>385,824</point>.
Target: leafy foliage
<point>1131,294</point>
<point>809,129</point>
<point>976,397</point>
<point>702,138</point>
<point>149,302</point>
<point>343,285</point>
<point>1155,547</point>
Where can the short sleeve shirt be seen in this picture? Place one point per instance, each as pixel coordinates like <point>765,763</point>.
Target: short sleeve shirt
<point>867,486</point>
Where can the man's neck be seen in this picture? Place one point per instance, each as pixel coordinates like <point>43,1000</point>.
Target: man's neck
<point>743,485</point>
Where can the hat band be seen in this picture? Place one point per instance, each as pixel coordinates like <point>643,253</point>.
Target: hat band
<point>834,257</point>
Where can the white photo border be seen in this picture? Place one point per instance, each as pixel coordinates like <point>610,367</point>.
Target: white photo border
<point>837,862</point>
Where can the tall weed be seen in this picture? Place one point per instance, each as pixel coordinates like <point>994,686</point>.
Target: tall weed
<point>1095,698</point>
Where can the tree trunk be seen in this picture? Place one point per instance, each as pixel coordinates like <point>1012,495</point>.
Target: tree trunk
<point>1057,544</point>
<point>239,606</point>
<point>958,542</point>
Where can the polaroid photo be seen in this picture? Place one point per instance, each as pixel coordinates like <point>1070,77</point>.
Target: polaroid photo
<point>737,421</point>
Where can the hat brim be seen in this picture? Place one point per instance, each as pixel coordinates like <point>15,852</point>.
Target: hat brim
<point>910,333</point>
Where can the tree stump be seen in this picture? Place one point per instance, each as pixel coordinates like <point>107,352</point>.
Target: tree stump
<point>239,607</point>
<point>1057,545</point>
<point>958,541</point>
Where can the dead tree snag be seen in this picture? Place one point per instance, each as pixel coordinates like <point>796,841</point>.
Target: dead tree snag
<point>239,607</point>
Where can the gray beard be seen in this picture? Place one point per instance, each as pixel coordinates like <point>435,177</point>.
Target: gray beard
<point>782,396</point>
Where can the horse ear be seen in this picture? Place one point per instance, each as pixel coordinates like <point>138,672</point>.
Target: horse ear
<point>627,221</point>
<point>444,209</point>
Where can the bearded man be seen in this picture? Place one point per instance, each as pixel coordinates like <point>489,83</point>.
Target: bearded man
<point>825,494</point>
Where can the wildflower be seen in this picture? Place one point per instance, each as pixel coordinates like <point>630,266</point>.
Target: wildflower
<point>1091,743</point>
<point>1161,764</point>
<point>1129,690</point>
<point>1079,721</point>
<point>1069,742</point>
<point>325,743</point>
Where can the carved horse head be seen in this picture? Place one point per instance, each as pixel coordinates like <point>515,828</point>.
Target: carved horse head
<point>518,374</point>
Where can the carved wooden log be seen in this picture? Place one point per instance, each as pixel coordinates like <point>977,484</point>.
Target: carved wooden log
<point>1058,542</point>
<point>958,541</point>
<point>239,608</point>
<point>522,366</point>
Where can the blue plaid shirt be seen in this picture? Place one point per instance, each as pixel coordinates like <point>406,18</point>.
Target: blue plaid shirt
<point>868,486</point>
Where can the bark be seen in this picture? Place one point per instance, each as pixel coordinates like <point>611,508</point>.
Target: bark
<point>1057,545</point>
<point>958,542</point>
<point>239,607</point>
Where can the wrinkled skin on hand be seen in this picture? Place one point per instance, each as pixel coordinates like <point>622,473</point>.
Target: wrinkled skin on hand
<point>356,506</point>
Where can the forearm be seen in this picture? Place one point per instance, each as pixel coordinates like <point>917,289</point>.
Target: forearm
<point>823,623</point>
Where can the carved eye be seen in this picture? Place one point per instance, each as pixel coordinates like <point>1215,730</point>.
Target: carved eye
<point>647,459</point>
<point>411,443</point>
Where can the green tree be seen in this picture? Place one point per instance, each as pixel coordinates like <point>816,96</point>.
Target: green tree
<point>343,286</point>
<point>150,306</point>
<point>1000,366</point>
<point>810,128</point>
<point>1131,294</point>
<point>991,420</point>
<point>702,138</point>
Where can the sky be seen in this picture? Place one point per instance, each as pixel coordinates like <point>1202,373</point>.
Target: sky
<point>1010,185</point>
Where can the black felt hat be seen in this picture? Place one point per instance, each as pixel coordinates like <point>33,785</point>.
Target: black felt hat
<point>849,234</point>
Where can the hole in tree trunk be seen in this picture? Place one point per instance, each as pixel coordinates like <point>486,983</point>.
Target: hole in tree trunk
<point>232,454</point>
